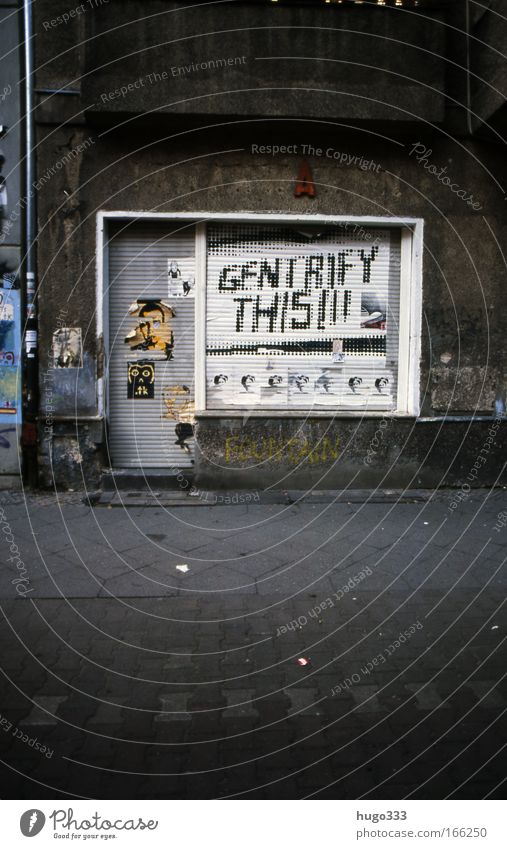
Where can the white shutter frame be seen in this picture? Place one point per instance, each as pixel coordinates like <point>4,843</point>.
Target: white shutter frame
<point>416,225</point>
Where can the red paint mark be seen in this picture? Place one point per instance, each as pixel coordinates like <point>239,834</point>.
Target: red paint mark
<point>305,184</point>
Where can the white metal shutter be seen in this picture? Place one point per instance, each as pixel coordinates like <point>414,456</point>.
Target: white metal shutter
<point>140,434</point>
<point>268,347</point>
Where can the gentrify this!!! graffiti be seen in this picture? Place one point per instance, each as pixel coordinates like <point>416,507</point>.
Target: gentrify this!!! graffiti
<point>295,321</point>
<point>153,330</point>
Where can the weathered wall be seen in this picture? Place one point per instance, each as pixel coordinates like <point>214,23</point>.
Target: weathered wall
<point>171,166</point>
<point>325,453</point>
<point>277,74</point>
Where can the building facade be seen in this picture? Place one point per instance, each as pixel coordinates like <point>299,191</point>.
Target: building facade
<point>11,235</point>
<point>271,243</point>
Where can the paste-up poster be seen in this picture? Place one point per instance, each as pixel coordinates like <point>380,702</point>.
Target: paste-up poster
<point>67,348</point>
<point>180,407</point>
<point>9,389</point>
<point>152,331</point>
<point>326,386</point>
<point>300,386</point>
<point>10,350</point>
<point>9,346</point>
<point>141,380</point>
<point>373,311</point>
<point>181,277</point>
<point>274,385</point>
<point>219,389</point>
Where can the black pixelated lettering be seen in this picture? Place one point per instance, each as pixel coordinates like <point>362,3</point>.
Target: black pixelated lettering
<point>367,261</point>
<point>266,271</point>
<point>240,313</point>
<point>267,312</point>
<point>303,324</point>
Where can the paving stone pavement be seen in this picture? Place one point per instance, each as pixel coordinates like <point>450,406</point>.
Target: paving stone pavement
<point>321,648</point>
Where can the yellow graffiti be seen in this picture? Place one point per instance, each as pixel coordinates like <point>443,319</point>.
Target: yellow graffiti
<point>294,451</point>
<point>179,406</point>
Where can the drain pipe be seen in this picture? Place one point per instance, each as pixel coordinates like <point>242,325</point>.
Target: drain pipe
<point>30,387</point>
<point>468,69</point>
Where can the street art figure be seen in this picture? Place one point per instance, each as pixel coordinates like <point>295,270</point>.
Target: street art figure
<point>247,381</point>
<point>354,383</point>
<point>153,332</point>
<point>141,380</point>
<point>180,277</point>
<point>299,380</point>
<point>275,380</point>
<point>323,382</point>
<point>180,407</point>
<point>380,383</point>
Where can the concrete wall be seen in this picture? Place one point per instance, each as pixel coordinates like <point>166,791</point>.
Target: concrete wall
<point>111,161</point>
<point>372,63</point>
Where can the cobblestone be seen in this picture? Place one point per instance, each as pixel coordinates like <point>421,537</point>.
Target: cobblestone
<point>230,712</point>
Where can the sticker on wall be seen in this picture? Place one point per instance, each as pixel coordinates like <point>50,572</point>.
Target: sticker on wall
<point>67,348</point>
<point>141,380</point>
<point>181,277</point>
<point>338,355</point>
<point>153,331</point>
<point>180,408</point>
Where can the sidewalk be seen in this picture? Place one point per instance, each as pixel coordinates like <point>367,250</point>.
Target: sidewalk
<point>145,681</point>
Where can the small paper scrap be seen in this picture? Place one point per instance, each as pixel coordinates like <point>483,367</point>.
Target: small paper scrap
<point>182,567</point>
<point>303,661</point>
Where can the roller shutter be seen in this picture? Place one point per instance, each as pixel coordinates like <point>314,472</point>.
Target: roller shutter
<point>302,319</point>
<point>150,376</point>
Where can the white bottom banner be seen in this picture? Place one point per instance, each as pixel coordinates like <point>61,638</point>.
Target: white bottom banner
<point>250,824</point>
